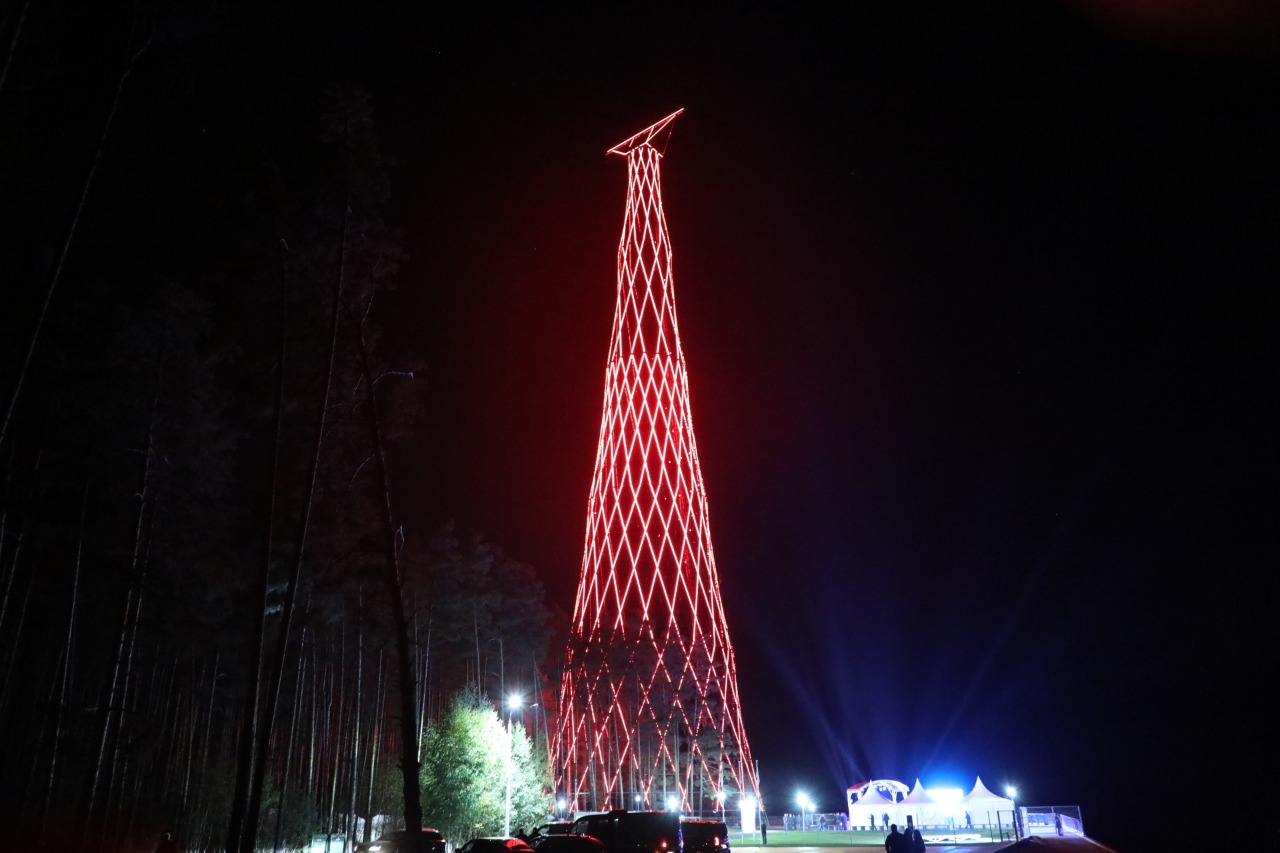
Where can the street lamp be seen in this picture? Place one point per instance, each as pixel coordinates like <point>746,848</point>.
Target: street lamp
<point>1012,793</point>
<point>514,703</point>
<point>672,802</point>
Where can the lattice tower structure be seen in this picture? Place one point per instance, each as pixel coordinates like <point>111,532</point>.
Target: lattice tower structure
<point>649,707</point>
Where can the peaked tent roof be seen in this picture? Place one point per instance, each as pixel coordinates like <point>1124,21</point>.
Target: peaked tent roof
<point>980,792</point>
<point>918,795</point>
<point>874,798</point>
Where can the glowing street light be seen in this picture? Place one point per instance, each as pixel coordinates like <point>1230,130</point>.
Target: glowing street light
<point>748,806</point>
<point>672,802</point>
<point>514,703</point>
<point>803,801</point>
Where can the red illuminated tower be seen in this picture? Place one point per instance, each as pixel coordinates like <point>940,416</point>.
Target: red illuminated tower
<point>649,705</point>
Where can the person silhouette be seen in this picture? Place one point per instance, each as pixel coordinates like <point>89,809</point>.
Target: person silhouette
<point>912,840</point>
<point>895,842</point>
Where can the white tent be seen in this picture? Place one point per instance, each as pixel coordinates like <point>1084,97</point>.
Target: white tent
<point>870,808</point>
<point>922,807</point>
<point>984,808</point>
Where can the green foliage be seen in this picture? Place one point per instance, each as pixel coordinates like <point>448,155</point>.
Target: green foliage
<point>464,779</point>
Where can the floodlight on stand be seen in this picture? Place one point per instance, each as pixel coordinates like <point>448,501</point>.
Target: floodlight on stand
<point>1012,793</point>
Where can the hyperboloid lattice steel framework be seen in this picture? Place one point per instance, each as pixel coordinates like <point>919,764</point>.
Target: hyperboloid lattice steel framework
<point>649,705</point>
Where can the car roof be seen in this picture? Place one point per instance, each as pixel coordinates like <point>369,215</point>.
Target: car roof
<point>494,841</point>
<point>571,842</point>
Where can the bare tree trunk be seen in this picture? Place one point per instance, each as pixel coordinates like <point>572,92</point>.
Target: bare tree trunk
<point>10,653</point>
<point>300,543</point>
<point>75,222</point>
<point>17,548</point>
<point>358,699</point>
<point>295,724</point>
<point>242,830</point>
<point>379,701</point>
<point>189,753</point>
<point>13,44</point>
<point>313,734</point>
<point>67,652</point>
<point>426,672</point>
<point>115,689</point>
<point>409,764</point>
<point>337,698</point>
<point>127,715</point>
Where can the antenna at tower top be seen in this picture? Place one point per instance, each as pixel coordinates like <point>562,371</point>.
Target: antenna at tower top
<point>646,136</point>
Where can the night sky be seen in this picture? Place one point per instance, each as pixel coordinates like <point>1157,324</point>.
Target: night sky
<point>979,315</point>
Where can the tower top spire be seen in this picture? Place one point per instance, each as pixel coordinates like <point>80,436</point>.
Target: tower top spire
<point>646,136</point>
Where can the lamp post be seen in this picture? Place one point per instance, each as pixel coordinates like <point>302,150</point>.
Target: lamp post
<point>514,703</point>
<point>1012,792</point>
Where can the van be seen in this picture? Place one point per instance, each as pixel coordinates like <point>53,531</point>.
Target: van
<point>704,836</point>
<point>622,831</point>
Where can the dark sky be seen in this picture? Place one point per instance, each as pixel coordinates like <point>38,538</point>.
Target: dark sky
<point>980,322</point>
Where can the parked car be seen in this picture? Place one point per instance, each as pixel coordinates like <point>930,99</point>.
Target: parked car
<point>546,830</point>
<point>398,842</point>
<point>704,836</point>
<point>569,843</point>
<point>633,832</point>
<point>495,845</point>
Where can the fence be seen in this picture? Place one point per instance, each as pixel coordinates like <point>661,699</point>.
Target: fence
<point>810,822</point>
<point>1052,820</point>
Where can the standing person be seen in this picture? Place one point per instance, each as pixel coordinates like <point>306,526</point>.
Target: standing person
<point>893,841</point>
<point>871,818</point>
<point>913,841</point>
<point>764,830</point>
<point>886,820</point>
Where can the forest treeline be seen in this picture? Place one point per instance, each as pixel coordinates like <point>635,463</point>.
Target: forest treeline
<point>214,618</point>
